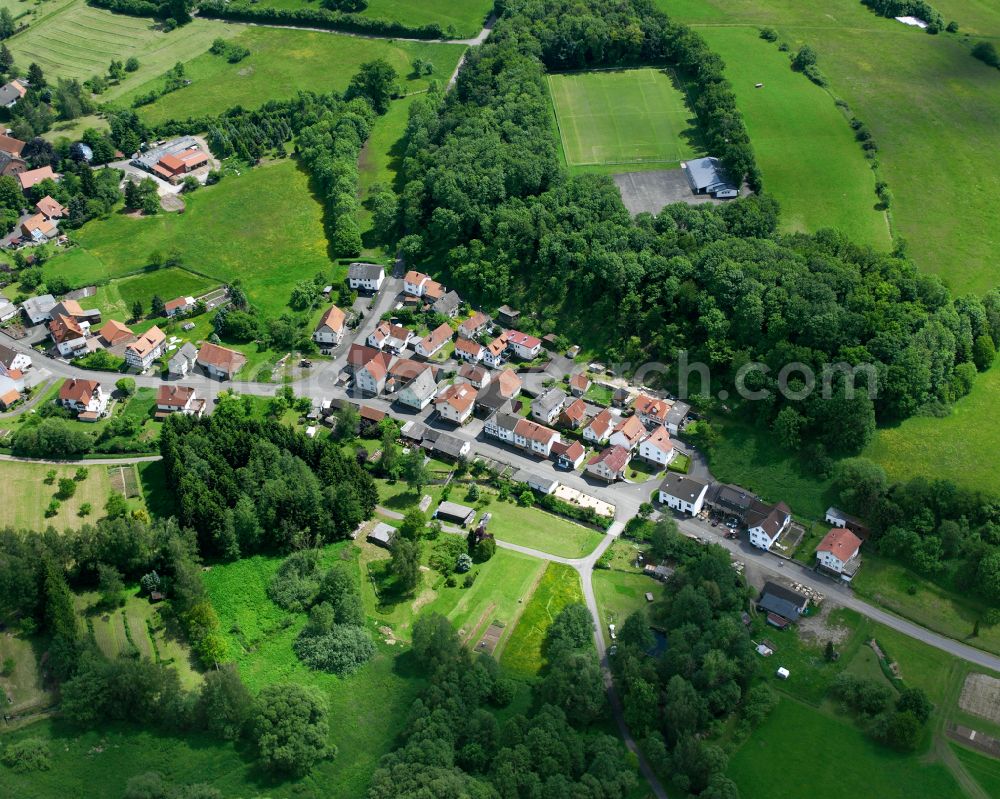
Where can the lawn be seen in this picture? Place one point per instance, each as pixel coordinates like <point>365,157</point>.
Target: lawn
<point>623,116</point>
<point>985,770</point>
<point>283,62</point>
<point>238,229</point>
<point>963,447</point>
<point>115,299</point>
<point>24,495</point>
<point>888,584</point>
<point>367,709</point>
<point>800,751</point>
<point>464,18</point>
<point>620,594</point>
<point>381,160</point>
<point>24,686</point>
<point>931,108</point>
<point>805,149</point>
<point>531,527</point>
<point>559,587</point>
<point>74,40</point>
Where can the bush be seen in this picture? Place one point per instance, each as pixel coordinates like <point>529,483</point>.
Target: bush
<point>987,53</point>
<point>296,582</point>
<point>341,650</point>
<point>30,754</point>
<point>769,34</point>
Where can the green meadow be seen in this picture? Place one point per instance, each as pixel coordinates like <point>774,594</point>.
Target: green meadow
<point>282,63</point>
<point>931,108</point>
<point>459,18</point>
<point>621,117</point>
<point>263,227</point>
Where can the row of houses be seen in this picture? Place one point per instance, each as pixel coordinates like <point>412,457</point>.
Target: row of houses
<point>89,400</point>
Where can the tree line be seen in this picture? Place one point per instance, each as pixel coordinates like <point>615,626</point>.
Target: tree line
<point>486,199</point>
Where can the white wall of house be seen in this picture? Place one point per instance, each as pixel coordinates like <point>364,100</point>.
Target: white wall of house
<point>364,380</point>
<point>527,353</point>
<point>832,562</point>
<point>654,454</point>
<point>326,336</point>
<point>450,413</point>
<point>761,539</point>
<point>71,347</point>
<point>684,505</point>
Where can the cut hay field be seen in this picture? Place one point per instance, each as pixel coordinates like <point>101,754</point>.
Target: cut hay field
<point>559,587</point>
<point>263,227</point>
<point>283,62</point>
<point>931,107</point>
<point>623,116</point>
<point>459,18</point>
<point>24,495</point>
<point>803,144</point>
<point>800,751</point>
<point>74,40</point>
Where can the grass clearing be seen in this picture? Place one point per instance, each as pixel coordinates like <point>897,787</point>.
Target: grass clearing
<point>805,149</point>
<point>559,587</point>
<point>800,751</point>
<point>24,495</point>
<point>74,40</point>
<point>623,116</point>
<point>115,299</point>
<point>239,229</point>
<point>367,709</point>
<point>24,685</point>
<point>619,594</point>
<point>985,770</point>
<point>531,527</point>
<point>283,62</point>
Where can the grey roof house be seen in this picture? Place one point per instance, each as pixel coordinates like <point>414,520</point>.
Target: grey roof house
<point>448,304</point>
<point>783,602</point>
<point>707,176</point>
<point>38,309</point>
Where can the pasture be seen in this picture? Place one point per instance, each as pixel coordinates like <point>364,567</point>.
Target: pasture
<point>559,587</point>
<point>622,117</point>
<point>963,447</point>
<point>283,62</point>
<point>367,709</point>
<point>24,495</point>
<point>620,594</point>
<point>239,229</point>
<point>931,108</point>
<point>74,40</point>
<point>460,18</point>
<point>801,751</point>
<point>805,149</point>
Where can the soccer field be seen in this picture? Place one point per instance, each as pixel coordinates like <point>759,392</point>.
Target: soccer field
<point>621,117</point>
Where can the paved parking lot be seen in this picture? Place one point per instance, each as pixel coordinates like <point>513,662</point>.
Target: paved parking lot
<point>650,191</point>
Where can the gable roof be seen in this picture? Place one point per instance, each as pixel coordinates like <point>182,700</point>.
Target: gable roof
<point>523,339</point>
<point>414,277</point>
<point>114,332</point>
<point>11,92</point>
<point>571,450</point>
<point>8,144</point>
<point>575,411</point>
<point>173,395</point>
<point>187,353</point>
<point>473,323</point>
<point>600,425</point>
<point>78,390</point>
<point>65,328</point>
<point>840,542</point>
<point>770,518</point>
<point>436,338</point>
<point>652,407</point>
<point>221,358</point>
<point>615,458</point>
<point>660,439</point>
<point>447,304</point>
<point>359,354</point>
<point>48,206</point>
<point>360,271</point>
<point>333,319</point>
<point>682,487</point>
<point>460,396</point>
<point>177,302</point>
<point>33,176</point>
<point>580,381</point>
<point>783,601</point>
<point>147,342</point>
<point>534,431</point>
<point>509,383</point>
<point>7,355</point>
<point>631,428</point>
<point>468,346</point>
<point>39,222</point>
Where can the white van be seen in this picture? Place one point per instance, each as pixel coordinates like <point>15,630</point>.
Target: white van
<point>727,194</point>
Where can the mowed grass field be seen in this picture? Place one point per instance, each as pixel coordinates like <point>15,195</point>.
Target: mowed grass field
<point>559,587</point>
<point>931,108</point>
<point>263,227</point>
<point>622,116</point>
<point>74,40</point>
<point>283,62</point>
<point>464,18</point>
<point>619,594</point>
<point>800,751</point>
<point>115,299</point>
<point>805,149</point>
<point>24,495</point>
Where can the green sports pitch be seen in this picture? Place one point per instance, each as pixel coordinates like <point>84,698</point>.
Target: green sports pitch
<point>621,117</point>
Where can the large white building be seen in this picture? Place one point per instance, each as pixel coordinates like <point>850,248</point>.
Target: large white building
<point>683,493</point>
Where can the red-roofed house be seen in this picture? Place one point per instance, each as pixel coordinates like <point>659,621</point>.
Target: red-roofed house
<point>838,552</point>
<point>628,433</point>
<point>38,228</point>
<point>172,167</point>
<point>178,305</point>
<point>11,146</point>
<point>434,341</point>
<point>600,427</point>
<point>221,363</point>
<point>50,208</point>
<point>573,414</point>
<point>33,176</point>
<point>657,447</point>
<point>534,437</point>
<point>370,376</point>
<point>474,325</point>
<point>455,403</point>
<point>478,376</point>
<point>173,398</point>
<point>330,328</point>
<point>141,353</point>
<point>85,397</point>
<point>113,333</point>
<point>568,454</point>
<point>414,283</point>
<point>468,350</point>
<point>69,335</point>
<point>495,352</point>
<point>610,463</point>
<point>389,336</point>
<point>522,345</point>
<point>651,411</point>
<point>579,384</point>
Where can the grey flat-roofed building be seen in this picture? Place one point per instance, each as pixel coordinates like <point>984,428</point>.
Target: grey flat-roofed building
<point>706,176</point>
<point>535,481</point>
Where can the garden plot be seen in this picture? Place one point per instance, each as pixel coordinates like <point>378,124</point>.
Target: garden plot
<point>981,697</point>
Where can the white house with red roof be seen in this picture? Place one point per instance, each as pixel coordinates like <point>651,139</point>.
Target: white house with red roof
<point>838,552</point>
<point>534,437</point>
<point>432,343</point>
<point>141,353</point>
<point>650,410</point>
<point>657,447</point>
<point>330,329</point>
<point>414,283</point>
<point>85,397</point>
<point>178,305</point>
<point>600,427</point>
<point>468,350</point>
<point>455,403</point>
<point>523,345</point>
<point>610,463</point>
<point>628,433</point>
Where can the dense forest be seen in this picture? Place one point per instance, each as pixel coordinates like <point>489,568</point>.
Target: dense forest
<point>246,485</point>
<point>486,198</point>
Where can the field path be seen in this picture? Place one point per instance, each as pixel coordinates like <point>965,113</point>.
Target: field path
<point>90,462</point>
<point>475,41</point>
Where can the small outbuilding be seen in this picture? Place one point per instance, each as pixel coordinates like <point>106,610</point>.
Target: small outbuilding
<point>461,515</point>
<point>382,535</point>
